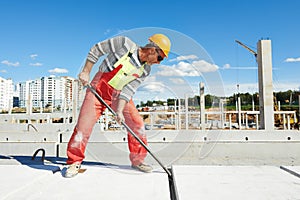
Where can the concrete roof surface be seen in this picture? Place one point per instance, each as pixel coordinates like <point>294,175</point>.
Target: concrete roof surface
<point>236,182</point>
<point>22,178</point>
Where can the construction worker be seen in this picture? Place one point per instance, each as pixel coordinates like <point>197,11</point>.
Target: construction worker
<point>121,72</point>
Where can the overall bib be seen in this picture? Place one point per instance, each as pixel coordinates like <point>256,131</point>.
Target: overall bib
<point>108,85</point>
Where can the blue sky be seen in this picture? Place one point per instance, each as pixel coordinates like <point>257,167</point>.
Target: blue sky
<point>40,38</point>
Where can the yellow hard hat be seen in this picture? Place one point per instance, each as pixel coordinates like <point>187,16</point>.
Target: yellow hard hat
<point>162,42</point>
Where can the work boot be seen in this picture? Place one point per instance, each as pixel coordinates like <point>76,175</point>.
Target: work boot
<point>143,167</point>
<point>72,170</point>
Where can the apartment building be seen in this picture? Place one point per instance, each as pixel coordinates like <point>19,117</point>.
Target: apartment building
<point>49,91</point>
<point>6,94</point>
<point>23,90</point>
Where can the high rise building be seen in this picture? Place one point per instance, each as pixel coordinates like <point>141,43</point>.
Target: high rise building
<point>49,91</point>
<point>23,89</point>
<point>6,94</point>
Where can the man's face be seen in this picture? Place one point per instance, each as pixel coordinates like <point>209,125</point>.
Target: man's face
<point>155,56</point>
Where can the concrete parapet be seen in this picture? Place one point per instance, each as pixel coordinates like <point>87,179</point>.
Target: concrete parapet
<point>172,147</point>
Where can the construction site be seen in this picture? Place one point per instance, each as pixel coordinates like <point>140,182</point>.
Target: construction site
<point>206,154</point>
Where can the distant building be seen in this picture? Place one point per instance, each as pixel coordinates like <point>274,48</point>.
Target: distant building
<point>16,101</point>
<point>44,92</point>
<point>23,90</point>
<point>6,94</point>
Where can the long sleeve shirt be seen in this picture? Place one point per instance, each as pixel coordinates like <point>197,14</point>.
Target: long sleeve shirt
<point>115,48</point>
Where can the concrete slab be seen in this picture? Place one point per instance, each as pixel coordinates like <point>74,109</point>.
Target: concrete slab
<point>173,147</point>
<point>235,182</point>
<point>27,148</point>
<point>97,182</point>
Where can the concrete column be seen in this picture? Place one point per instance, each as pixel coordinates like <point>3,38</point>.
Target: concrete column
<point>284,122</point>
<point>106,119</point>
<point>176,115</point>
<point>186,112</point>
<point>41,107</point>
<point>299,108</point>
<point>179,114</point>
<point>288,122</point>
<point>247,121</point>
<point>239,112</point>
<point>266,107</point>
<point>223,118</point>
<point>256,118</point>
<point>202,106</point>
<point>230,124</point>
<point>29,105</point>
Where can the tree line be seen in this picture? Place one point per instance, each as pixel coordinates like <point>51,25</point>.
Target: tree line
<point>288,100</point>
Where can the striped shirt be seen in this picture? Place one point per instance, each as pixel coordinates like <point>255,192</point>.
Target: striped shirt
<point>115,48</point>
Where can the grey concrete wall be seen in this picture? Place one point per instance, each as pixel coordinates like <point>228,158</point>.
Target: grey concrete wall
<point>171,147</point>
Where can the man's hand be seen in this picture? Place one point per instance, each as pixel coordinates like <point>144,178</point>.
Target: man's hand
<point>84,77</point>
<point>121,105</point>
<point>119,117</point>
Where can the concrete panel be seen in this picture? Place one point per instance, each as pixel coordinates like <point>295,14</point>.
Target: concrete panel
<point>235,182</point>
<point>26,148</point>
<point>36,127</point>
<point>186,147</point>
<point>199,153</point>
<point>29,137</point>
<point>38,182</point>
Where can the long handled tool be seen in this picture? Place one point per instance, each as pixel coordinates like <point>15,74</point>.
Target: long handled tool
<point>129,130</point>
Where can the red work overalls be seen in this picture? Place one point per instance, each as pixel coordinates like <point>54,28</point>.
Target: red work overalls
<point>90,112</point>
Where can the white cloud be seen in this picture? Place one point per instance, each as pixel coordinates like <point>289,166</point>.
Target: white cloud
<point>187,69</point>
<point>168,71</point>
<point>158,90</point>
<point>243,68</point>
<point>152,87</point>
<point>203,66</point>
<point>33,56</point>
<point>3,71</point>
<point>292,60</point>
<point>36,64</point>
<point>226,66</point>
<point>177,81</point>
<point>180,58</point>
<point>6,62</point>
<point>180,69</point>
<point>58,70</point>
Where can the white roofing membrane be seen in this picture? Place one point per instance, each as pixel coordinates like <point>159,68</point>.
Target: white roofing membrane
<point>236,182</point>
<point>97,182</point>
<point>25,181</point>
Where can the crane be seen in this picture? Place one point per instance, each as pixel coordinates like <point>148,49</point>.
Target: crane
<point>246,47</point>
<point>255,54</point>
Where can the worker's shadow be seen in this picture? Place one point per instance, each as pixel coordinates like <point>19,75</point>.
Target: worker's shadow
<point>53,164</point>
